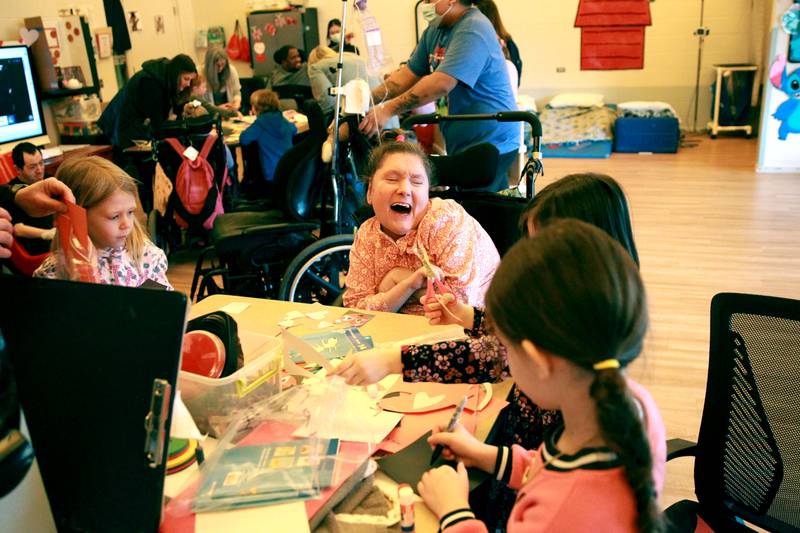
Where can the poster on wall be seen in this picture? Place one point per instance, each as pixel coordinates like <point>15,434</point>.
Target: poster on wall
<point>134,21</point>
<point>612,33</point>
<point>788,112</point>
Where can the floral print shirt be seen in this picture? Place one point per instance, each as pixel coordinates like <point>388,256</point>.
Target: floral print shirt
<point>481,358</point>
<point>454,241</point>
<point>116,267</point>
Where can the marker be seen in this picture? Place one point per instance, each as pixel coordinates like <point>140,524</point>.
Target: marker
<point>406,497</point>
<point>450,427</point>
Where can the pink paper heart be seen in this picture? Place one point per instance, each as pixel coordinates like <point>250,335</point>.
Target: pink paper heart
<point>28,36</point>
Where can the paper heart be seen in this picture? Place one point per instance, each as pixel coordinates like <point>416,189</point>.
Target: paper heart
<point>423,400</point>
<point>28,36</point>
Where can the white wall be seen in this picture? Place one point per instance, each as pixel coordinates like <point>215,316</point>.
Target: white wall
<point>547,40</point>
<point>543,30</point>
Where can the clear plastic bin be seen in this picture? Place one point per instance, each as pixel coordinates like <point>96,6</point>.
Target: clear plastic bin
<point>213,403</point>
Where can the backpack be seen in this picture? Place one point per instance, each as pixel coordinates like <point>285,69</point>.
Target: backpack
<point>200,199</point>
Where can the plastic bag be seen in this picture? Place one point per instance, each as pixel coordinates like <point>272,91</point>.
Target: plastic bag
<point>234,43</point>
<point>258,461</point>
<point>76,258</point>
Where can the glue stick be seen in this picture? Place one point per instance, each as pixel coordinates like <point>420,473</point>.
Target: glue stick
<point>406,497</point>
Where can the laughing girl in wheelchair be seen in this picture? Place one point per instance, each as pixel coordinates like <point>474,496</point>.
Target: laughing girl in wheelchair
<point>386,272</point>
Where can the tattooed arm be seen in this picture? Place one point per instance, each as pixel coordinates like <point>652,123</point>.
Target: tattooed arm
<point>428,89</point>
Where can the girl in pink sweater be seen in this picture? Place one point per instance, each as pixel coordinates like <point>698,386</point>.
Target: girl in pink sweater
<point>569,337</point>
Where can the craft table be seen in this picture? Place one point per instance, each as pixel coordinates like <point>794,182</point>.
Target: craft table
<point>262,316</point>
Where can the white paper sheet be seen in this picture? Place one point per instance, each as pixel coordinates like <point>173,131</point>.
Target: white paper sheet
<point>234,308</point>
<point>358,419</point>
<point>284,517</point>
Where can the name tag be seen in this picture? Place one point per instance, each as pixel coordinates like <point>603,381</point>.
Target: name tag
<point>191,153</point>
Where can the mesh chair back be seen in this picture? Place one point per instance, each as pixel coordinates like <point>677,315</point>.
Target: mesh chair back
<point>748,460</point>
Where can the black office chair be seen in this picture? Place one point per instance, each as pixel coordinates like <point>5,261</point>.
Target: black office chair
<point>747,458</point>
<point>297,93</point>
<point>250,250</point>
<point>249,86</point>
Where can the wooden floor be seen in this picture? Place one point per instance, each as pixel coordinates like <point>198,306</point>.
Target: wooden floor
<point>705,222</point>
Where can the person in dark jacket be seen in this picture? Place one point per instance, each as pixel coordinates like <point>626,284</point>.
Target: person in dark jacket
<point>150,94</point>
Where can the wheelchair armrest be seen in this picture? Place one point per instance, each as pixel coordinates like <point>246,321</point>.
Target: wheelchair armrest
<point>680,448</point>
<point>281,227</point>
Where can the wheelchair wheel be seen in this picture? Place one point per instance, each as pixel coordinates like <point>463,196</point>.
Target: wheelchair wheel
<point>317,273</point>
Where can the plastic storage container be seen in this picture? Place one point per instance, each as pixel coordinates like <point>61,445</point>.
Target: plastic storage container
<point>212,402</point>
<point>646,134</point>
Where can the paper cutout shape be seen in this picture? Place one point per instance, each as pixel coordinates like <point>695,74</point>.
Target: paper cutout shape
<point>402,397</point>
<point>408,465</point>
<point>317,315</point>
<point>422,400</point>
<point>77,259</point>
<point>28,37</point>
<point>292,315</point>
<point>323,325</point>
<point>234,308</point>
<point>415,425</point>
<point>286,324</point>
<point>354,319</point>
<point>612,33</point>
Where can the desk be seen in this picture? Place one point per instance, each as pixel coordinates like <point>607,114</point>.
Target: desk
<point>262,316</point>
<point>236,126</point>
<point>51,165</point>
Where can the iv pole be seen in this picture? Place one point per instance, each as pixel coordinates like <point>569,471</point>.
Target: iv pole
<point>336,177</point>
<point>701,33</point>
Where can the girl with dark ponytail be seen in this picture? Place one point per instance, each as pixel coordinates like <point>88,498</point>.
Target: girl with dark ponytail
<point>569,335</point>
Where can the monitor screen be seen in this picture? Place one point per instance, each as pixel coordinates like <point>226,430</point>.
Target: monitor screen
<point>20,110</point>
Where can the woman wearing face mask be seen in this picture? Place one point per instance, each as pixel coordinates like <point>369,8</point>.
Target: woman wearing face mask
<point>458,56</point>
<point>335,37</point>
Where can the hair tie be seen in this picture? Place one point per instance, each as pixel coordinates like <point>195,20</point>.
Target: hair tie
<point>606,364</point>
<point>400,138</point>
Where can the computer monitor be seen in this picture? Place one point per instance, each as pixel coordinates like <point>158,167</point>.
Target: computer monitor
<point>21,117</point>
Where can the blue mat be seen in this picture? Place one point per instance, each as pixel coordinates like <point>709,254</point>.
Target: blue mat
<point>582,150</point>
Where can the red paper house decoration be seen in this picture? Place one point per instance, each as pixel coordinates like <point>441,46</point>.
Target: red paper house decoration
<point>612,33</point>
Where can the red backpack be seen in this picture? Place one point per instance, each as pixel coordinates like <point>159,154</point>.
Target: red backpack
<point>200,199</point>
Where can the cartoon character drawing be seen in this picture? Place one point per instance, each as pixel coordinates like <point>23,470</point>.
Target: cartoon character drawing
<point>788,113</point>
<point>327,345</point>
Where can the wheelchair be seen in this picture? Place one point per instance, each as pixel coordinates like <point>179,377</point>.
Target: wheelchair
<point>317,273</point>
<point>250,249</point>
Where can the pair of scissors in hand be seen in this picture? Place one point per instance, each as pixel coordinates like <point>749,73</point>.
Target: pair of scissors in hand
<point>435,286</point>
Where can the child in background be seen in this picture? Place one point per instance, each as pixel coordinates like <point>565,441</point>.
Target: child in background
<point>569,337</point>
<point>271,131</point>
<point>197,109</point>
<point>199,91</point>
<point>385,267</point>
<point>125,254</point>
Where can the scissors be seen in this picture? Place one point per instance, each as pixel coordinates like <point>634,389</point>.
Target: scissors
<point>435,286</point>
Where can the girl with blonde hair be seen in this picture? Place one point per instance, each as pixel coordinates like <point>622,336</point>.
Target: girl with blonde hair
<point>125,254</point>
